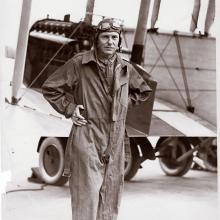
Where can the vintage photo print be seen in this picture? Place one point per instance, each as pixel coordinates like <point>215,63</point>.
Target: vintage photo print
<point>108,109</point>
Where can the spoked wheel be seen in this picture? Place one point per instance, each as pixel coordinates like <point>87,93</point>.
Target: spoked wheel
<point>132,160</point>
<point>51,161</point>
<point>171,149</point>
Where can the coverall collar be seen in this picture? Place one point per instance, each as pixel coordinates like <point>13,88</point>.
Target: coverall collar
<point>89,56</point>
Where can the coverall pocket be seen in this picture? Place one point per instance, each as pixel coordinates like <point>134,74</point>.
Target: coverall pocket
<point>124,95</point>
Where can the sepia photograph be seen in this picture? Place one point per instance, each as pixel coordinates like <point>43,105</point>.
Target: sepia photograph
<point>108,110</point>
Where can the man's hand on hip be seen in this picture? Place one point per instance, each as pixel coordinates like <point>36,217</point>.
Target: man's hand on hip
<point>77,118</point>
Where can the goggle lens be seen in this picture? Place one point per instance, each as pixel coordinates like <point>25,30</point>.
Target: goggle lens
<point>105,26</point>
<point>108,25</point>
<point>116,24</point>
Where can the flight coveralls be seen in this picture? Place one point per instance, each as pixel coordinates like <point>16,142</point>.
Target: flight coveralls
<point>95,151</point>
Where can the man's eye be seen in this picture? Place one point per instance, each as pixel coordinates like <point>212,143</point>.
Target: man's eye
<point>104,37</point>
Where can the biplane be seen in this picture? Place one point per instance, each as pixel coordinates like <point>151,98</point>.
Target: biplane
<point>177,124</point>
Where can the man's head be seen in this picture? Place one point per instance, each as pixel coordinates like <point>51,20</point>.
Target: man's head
<point>108,39</point>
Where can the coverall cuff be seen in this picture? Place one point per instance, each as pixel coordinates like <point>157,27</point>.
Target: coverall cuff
<point>70,109</point>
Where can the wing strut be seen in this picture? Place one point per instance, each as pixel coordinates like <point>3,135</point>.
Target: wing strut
<point>210,16</point>
<point>21,50</point>
<point>195,15</point>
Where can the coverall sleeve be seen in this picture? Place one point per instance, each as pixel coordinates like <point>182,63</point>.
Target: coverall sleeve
<point>58,89</point>
<point>139,90</point>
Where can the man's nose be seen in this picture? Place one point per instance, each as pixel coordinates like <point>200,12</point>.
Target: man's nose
<point>110,40</point>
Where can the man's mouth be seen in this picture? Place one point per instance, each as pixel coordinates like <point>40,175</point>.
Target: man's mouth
<point>111,48</point>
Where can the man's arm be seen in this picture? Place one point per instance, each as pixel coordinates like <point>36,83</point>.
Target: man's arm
<point>58,89</point>
<point>139,90</point>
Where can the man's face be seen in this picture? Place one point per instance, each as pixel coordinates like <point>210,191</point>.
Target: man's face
<point>107,43</point>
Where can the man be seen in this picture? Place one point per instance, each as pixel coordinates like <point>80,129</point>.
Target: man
<point>94,89</point>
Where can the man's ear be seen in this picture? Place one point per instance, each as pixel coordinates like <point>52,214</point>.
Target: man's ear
<point>119,44</point>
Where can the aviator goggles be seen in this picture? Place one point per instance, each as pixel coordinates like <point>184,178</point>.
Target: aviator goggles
<point>109,25</point>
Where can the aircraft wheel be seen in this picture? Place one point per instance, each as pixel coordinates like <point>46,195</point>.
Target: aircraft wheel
<point>132,160</point>
<point>51,161</point>
<point>169,152</point>
<point>210,157</point>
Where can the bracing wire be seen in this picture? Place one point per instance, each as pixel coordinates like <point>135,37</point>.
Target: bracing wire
<point>161,53</point>
<point>168,69</point>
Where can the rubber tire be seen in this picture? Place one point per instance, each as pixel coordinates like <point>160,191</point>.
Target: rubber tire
<point>51,161</point>
<point>132,162</point>
<point>170,167</point>
<point>210,158</point>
